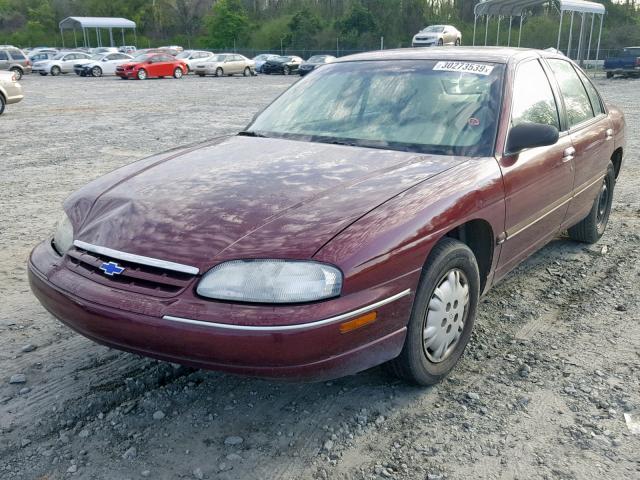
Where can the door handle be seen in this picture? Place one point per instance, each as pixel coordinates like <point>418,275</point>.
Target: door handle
<point>568,154</point>
<point>609,134</point>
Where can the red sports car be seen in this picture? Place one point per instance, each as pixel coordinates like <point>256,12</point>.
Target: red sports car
<point>152,65</point>
<point>356,221</point>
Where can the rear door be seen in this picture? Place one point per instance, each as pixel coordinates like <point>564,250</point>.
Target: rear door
<point>591,135</point>
<point>537,181</point>
<point>4,60</point>
<point>67,63</point>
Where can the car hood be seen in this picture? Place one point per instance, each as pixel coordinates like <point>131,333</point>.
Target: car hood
<point>243,197</point>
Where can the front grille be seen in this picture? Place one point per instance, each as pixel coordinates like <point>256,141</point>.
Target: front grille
<point>136,277</point>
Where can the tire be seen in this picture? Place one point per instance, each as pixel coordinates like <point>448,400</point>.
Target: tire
<point>3,104</point>
<point>593,226</point>
<point>450,263</point>
<point>96,71</point>
<point>201,75</point>
<point>142,74</point>
<point>286,71</point>
<point>458,42</point>
<point>177,73</point>
<point>246,72</point>
<point>219,72</point>
<point>55,71</point>
<point>440,42</point>
<point>609,74</point>
<point>44,74</point>
<point>17,72</point>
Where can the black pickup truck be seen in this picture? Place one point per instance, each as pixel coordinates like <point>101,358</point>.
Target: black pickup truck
<point>628,64</point>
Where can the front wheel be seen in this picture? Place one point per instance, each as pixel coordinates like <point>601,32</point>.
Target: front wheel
<point>458,42</point>
<point>96,72</point>
<point>142,74</point>
<point>609,74</point>
<point>440,42</point>
<point>3,103</point>
<point>177,73</point>
<point>55,70</point>
<point>444,310</point>
<point>17,72</point>
<point>287,70</point>
<point>591,228</point>
<point>219,72</point>
<point>247,72</point>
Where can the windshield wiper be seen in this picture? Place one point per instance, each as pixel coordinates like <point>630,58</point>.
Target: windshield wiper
<point>250,133</point>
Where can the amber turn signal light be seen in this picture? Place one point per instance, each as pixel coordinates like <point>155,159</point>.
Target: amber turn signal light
<point>358,322</point>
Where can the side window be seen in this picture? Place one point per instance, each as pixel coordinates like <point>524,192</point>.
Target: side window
<point>4,56</point>
<point>596,103</point>
<point>533,99</point>
<point>576,100</point>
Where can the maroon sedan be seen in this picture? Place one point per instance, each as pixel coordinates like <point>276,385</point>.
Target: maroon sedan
<point>356,221</point>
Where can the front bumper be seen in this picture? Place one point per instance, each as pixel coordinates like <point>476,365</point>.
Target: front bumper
<point>14,93</point>
<point>148,326</point>
<point>126,73</point>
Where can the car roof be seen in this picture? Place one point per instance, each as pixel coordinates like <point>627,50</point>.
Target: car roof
<point>479,54</point>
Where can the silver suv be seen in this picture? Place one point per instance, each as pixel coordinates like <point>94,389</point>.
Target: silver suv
<point>15,60</point>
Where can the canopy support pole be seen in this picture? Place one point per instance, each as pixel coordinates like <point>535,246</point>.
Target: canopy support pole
<point>475,21</point>
<point>135,38</point>
<point>570,36</point>
<point>486,31</point>
<point>520,32</point>
<point>560,29</point>
<point>62,36</point>
<point>593,16</point>
<point>75,40</point>
<point>84,36</point>
<point>123,42</point>
<point>599,37</point>
<point>498,34</point>
<point>510,23</point>
<point>579,55</point>
<point>111,37</point>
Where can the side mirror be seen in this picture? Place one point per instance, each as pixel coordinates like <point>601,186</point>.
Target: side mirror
<point>531,135</point>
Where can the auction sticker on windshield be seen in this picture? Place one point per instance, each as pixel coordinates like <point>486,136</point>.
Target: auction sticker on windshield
<point>465,67</point>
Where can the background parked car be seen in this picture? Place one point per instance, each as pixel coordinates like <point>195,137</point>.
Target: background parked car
<point>15,60</point>
<point>261,59</point>
<point>191,57</point>
<point>152,65</point>
<point>104,64</point>
<point>314,62</point>
<point>10,90</point>
<point>286,65</point>
<point>100,50</point>
<point>128,49</point>
<point>628,64</point>
<point>176,48</point>
<point>41,56</point>
<point>437,35</point>
<point>64,62</point>
<point>225,64</point>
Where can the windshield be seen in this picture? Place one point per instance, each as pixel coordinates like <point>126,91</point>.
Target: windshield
<point>425,106</point>
<point>434,28</point>
<point>59,56</point>
<point>98,56</point>
<point>142,58</point>
<point>281,59</point>
<point>262,57</point>
<point>217,58</point>
<point>184,54</point>
<point>632,51</point>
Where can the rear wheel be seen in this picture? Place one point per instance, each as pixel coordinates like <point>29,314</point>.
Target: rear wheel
<point>55,70</point>
<point>219,72</point>
<point>440,42</point>
<point>17,72</point>
<point>44,74</point>
<point>142,74</point>
<point>444,310</point>
<point>287,70</point>
<point>247,72</point>
<point>3,103</point>
<point>609,74</point>
<point>591,228</point>
<point>177,73</point>
<point>96,71</point>
<point>458,42</point>
<point>201,74</point>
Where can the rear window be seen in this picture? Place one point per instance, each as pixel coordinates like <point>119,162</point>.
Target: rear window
<point>16,55</point>
<point>429,106</point>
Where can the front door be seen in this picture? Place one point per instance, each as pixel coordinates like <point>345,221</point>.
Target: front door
<point>537,181</point>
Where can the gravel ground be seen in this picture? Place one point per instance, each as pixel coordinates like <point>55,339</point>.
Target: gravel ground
<point>542,391</point>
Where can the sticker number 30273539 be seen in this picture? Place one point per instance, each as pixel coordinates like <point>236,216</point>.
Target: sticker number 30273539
<point>464,67</point>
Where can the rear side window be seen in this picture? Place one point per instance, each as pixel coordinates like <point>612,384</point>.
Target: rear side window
<point>4,56</point>
<point>576,100</point>
<point>16,54</point>
<point>596,103</point>
<point>533,100</point>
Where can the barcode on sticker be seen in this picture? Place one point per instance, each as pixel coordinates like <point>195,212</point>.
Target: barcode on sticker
<point>465,67</point>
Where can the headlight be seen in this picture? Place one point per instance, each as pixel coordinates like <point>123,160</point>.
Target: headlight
<point>63,238</point>
<point>271,281</point>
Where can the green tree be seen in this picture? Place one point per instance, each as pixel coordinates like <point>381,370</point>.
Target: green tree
<point>227,24</point>
<point>303,27</point>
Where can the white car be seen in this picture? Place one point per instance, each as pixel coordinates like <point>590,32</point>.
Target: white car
<point>99,50</point>
<point>191,57</point>
<point>64,62</point>
<point>105,64</point>
<point>437,35</point>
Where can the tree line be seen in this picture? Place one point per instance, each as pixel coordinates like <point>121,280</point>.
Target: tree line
<point>292,24</point>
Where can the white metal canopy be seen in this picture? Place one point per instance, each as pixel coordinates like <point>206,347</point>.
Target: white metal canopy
<point>84,23</point>
<point>501,9</point>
